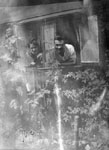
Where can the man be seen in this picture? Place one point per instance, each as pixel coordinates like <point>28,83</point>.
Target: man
<point>64,52</point>
<point>35,53</point>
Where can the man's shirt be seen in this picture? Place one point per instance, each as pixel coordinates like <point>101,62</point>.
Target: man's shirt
<point>69,54</point>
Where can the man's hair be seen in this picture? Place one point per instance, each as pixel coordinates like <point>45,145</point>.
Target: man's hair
<point>59,38</point>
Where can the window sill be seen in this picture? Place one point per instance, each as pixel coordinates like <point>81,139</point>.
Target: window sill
<point>64,65</point>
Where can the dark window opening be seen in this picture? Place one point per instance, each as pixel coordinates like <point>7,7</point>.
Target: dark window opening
<point>78,32</point>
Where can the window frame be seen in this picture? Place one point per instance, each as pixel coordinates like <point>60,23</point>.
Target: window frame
<point>53,20</point>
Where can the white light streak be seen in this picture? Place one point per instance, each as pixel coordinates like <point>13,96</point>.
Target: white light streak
<point>59,117</point>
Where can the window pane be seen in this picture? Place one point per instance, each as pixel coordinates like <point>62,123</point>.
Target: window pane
<point>89,41</point>
<point>49,33</point>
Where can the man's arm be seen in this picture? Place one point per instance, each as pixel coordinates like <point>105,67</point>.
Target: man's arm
<point>59,57</point>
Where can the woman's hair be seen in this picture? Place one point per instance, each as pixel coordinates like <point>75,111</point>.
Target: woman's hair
<point>34,42</point>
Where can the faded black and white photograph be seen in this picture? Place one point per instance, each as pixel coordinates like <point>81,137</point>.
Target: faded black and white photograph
<point>54,75</point>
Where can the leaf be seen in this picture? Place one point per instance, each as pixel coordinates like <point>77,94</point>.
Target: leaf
<point>20,66</point>
<point>6,57</point>
<point>14,75</point>
<point>13,104</point>
<point>19,90</point>
<point>34,105</point>
<point>95,82</point>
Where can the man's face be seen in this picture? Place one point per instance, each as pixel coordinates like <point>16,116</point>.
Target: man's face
<point>59,44</point>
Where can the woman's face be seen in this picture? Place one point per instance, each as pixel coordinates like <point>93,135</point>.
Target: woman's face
<point>34,48</point>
